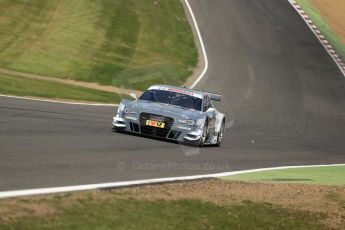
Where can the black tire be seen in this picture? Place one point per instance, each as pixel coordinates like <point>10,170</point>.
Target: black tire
<point>204,135</point>
<point>220,134</point>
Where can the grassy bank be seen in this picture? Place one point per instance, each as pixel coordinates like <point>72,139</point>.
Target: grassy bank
<point>315,175</point>
<point>125,43</point>
<point>323,24</point>
<point>115,210</point>
<point>46,89</point>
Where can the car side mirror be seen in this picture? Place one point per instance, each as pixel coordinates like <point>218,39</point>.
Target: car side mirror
<point>133,95</point>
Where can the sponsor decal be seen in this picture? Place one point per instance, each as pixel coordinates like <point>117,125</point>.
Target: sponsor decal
<point>156,118</point>
<point>155,124</point>
<point>176,90</point>
<point>131,118</point>
<point>181,91</point>
<point>183,127</point>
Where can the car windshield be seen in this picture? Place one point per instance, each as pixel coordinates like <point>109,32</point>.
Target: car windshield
<point>172,98</point>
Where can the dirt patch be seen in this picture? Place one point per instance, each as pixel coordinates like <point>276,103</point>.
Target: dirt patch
<point>58,100</point>
<point>312,198</point>
<point>90,85</point>
<point>333,12</point>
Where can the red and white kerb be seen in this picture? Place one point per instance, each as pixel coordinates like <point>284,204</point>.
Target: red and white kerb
<point>319,35</point>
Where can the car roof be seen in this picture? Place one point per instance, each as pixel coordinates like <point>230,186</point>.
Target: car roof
<point>181,90</point>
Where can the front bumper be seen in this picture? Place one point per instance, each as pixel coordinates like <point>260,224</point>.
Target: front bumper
<point>119,122</point>
<point>177,132</point>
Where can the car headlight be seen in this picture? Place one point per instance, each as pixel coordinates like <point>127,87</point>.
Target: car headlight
<point>187,122</point>
<point>120,108</point>
<point>129,111</point>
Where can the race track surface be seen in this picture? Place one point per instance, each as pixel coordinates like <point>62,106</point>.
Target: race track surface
<point>283,92</point>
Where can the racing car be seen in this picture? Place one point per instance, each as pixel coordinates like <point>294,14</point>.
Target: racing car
<point>174,113</point>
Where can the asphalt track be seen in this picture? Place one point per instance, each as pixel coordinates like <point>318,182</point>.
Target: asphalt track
<point>285,94</point>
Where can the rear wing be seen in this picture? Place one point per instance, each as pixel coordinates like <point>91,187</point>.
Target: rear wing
<point>215,97</point>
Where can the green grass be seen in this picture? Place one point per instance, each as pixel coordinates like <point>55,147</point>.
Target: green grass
<point>333,175</point>
<point>90,213</point>
<point>47,89</point>
<point>327,31</point>
<point>127,43</point>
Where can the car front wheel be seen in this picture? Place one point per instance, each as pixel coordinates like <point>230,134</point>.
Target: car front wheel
<point>203,135</point>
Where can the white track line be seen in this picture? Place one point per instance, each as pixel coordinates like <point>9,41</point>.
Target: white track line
<point>54,101</point>
<point>201,44</point>
<point>319,35</point>
<point>78,188</point>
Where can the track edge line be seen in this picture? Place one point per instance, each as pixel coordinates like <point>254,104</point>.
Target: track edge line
<point>79,188</point>
<point>201,44</point>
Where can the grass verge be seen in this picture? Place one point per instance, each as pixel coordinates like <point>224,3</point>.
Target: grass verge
<point>324,27</point>
<point>333,175</point>
<point>19,86</point>
<point>114,210</point>
<point>126,43</point>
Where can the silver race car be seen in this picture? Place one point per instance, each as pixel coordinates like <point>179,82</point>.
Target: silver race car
<point>173,113</point>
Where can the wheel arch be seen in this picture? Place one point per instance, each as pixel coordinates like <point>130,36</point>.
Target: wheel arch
<point>220,118</point>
